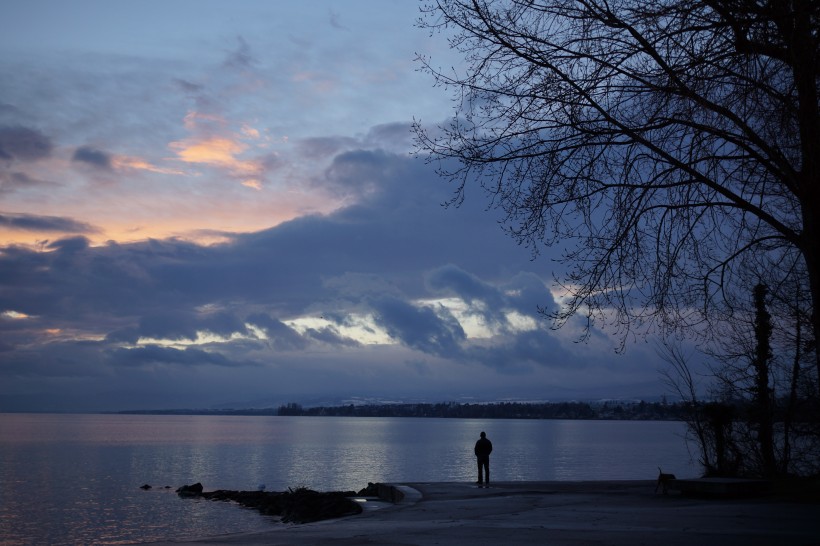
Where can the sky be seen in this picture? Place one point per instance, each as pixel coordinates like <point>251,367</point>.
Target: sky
<point>216,204</point>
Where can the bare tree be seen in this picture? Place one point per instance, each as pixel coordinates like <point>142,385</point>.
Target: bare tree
<point>681,381</point>
<point>671,148</point>
<point>757,414</point>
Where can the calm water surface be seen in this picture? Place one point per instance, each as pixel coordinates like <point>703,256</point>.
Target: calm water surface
<point>74,479</point>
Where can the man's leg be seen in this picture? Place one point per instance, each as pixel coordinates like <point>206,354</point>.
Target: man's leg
<point>480,475</point>
<point>485,465</point>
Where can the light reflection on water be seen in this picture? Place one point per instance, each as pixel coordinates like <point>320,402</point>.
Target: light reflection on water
<point>70,479</point>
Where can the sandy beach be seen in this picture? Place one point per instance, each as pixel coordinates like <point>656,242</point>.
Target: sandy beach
<point>555,513</point>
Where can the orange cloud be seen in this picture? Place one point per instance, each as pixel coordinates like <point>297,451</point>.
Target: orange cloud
<point>250,132</point>
<point>211,147</point>
<point>218,152</point>
<point>136,163</point>
<point>211,151</point>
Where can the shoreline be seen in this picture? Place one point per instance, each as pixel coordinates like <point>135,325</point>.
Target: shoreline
<point>559,513</point>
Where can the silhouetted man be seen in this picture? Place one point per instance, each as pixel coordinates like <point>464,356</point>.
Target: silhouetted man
<point>483,448</point>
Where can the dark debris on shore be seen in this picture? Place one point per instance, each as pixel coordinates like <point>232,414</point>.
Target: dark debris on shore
<point>300,505</point>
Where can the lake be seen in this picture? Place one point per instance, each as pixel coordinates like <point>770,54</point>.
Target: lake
<point>71,479</point>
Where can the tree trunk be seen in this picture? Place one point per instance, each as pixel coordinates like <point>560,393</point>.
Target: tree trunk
<point>763,397</point>
<point>793,393</point>
<point>813,266</point>
<point>804,61</point>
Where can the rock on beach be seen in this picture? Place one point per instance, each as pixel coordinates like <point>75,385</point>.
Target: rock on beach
<point>299,505</point>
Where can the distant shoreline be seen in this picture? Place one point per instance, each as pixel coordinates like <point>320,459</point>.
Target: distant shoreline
<point>603,411</point>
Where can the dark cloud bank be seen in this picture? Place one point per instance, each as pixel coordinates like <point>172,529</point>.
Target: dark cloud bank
<point>80,310</point>
<point>92,156</point>
<point>23,143</point>
<point>20,145</point>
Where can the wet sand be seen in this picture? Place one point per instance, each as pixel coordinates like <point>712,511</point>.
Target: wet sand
<point>554,513</point>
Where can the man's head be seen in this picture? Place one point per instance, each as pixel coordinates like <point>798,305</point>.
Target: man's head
<point>483,434</point>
